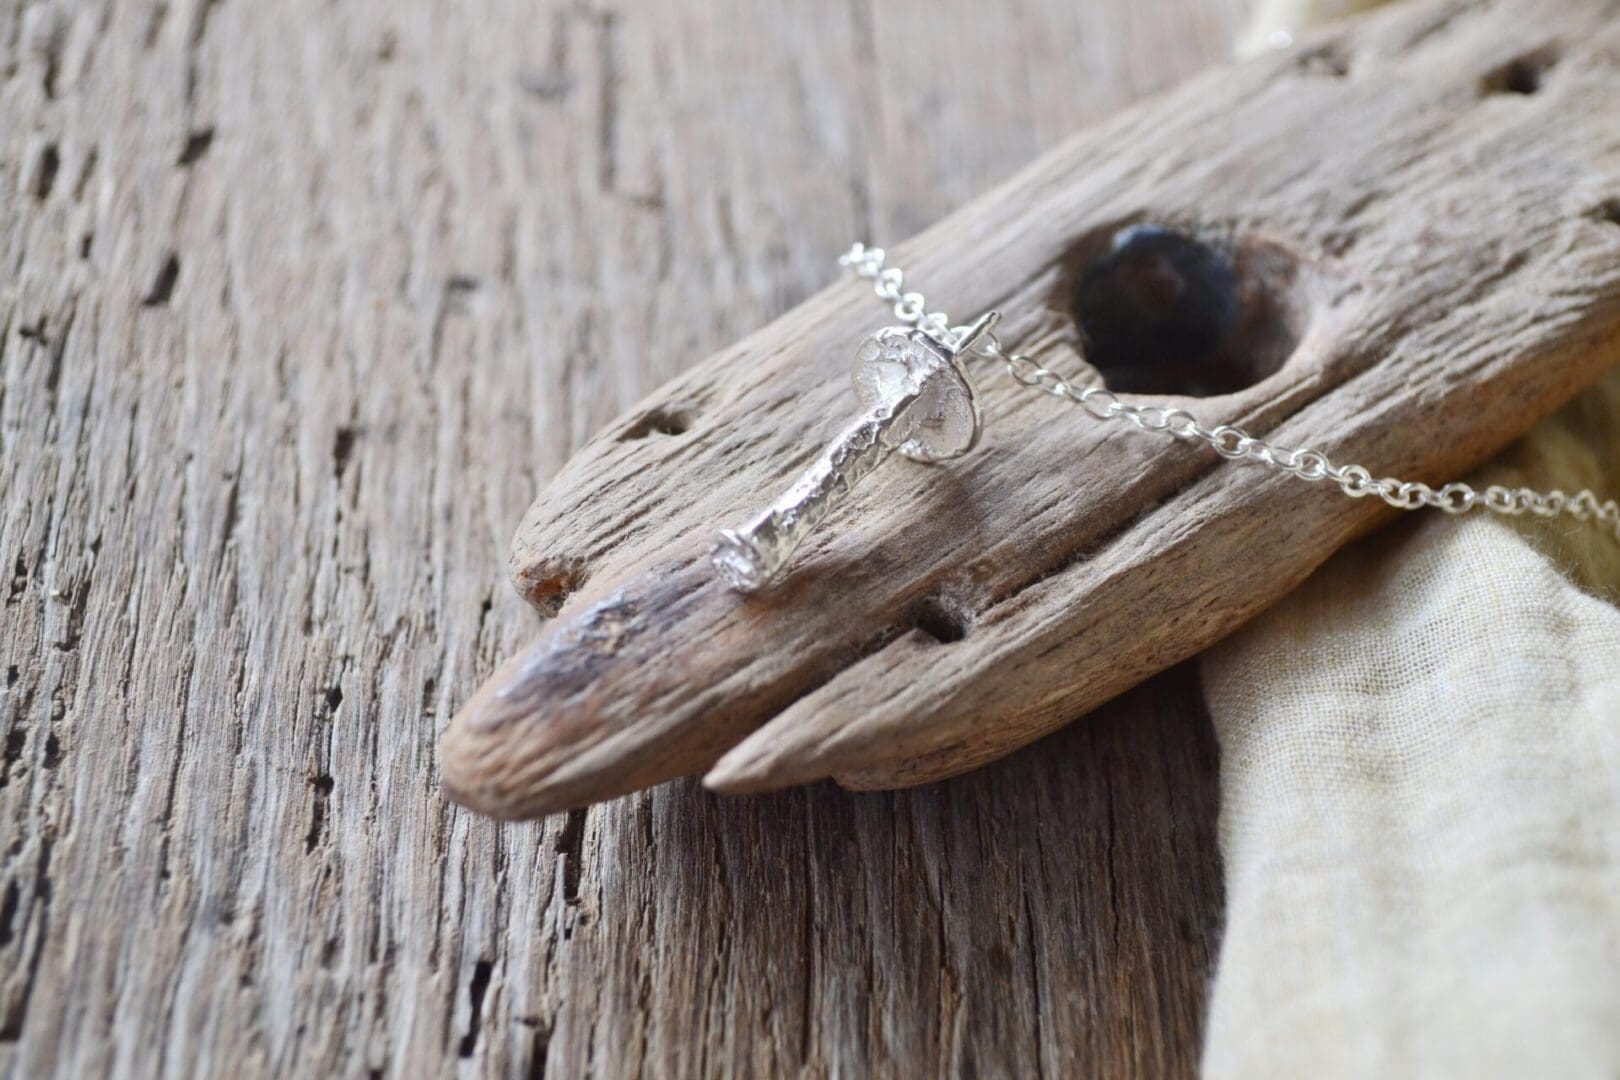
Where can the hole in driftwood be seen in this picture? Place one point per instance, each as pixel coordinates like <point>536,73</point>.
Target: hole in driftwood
<point>1165,310</point>
<point>8,913</point>
<point>1329,62</point>
<point>1608,211</point>
<point>665,421</point>
<point>570,848</point>
<point>939,620</point>
<point>45,168</point>
<point>343,441</point>
<point>323,786</point>
<point>16,741</point>
<point>163,285</point>
<point>197,144</point>
<point>549,589</point>
<point>476,990</point>
<point>1523,74</point>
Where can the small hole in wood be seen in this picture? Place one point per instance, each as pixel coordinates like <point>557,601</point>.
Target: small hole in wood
<point>16,740</point>
<point>163,285</point>
<point>671,421</point>
<point>476,990</point>
<point>343,449</point>
<point>939,620</point>
<point>197,144</point>
<point>1608,211</point>
<point>1328,62</point>
<point>1163,309</point>
<point>8,913</point>
<point>1522,75</point>
<point>549,589</point>
<point>45,170</point>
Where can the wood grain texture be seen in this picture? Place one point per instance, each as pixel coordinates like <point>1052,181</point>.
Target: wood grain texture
<point>302,303</point>
<point>1423,195</point>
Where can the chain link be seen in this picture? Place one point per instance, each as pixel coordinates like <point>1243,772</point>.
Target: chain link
<point>1228,441</point>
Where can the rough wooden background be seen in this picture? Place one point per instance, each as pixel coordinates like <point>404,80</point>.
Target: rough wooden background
<point>300,305</point>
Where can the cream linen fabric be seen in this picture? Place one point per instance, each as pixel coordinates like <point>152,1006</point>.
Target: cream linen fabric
<point>1420,796</point>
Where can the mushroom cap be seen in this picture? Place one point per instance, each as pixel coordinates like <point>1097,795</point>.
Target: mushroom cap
<point>944,420</point>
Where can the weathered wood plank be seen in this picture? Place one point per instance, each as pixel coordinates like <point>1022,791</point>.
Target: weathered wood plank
<point>302,303</point>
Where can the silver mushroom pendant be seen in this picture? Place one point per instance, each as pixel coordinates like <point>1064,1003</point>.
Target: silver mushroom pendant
<point>918,400</point>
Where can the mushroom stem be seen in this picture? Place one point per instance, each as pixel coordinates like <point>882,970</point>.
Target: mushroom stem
<point>749,556</point>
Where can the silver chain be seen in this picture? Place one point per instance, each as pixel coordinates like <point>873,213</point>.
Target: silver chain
<point>1228,441</point>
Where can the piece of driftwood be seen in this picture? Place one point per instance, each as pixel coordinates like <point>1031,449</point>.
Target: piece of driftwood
<point>1416,220</point>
